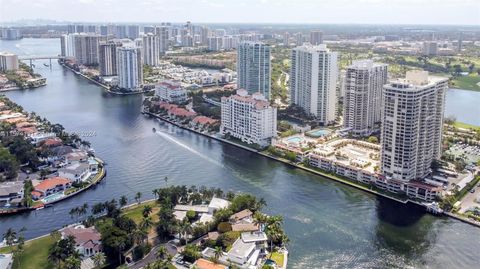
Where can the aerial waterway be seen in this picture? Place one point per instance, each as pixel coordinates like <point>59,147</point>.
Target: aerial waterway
<point>330,225</point>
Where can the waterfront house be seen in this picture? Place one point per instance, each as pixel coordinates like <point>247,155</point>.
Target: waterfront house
<point>27,131</point>
<point>246,252</point>
<point>242,216</point>
<point>76,172</point>
<point>62,150</point>
<point>248,249</point>
<point>50,186</point>
<point>245,227</point>
<point>76,156</point>
<point>24,124</point>
<point>39,137</point>
<point>52,142</point>
<point>92,165</point>
<point>216,204</point>
<point>87,240</point>
<point>10,191</point>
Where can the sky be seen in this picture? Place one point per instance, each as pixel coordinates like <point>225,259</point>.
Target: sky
<point>454,12</point>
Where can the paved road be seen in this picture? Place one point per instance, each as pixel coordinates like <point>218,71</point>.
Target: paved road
<point>151,257</point>
<point>469,200</point>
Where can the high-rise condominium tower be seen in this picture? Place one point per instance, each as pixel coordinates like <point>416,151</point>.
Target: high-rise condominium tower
<point>316,37</point>
<point>253,67</point>
<point>364,82</point>
<point>129,67</point>
<point>313,80</point>
<point>163,36</point>
<point>412,122</point>
<point>108,58</point>
<point>150,49</point>
<point>86,48</point>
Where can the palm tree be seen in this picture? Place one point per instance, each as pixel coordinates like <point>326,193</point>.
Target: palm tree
<point>123,201</point>
<point>120,244</point>
<point>73,212</point>
<point>99,259</point>
<point>218,253</point>
<point>98,208</point>
<point>82,210</point>
<point>10,235</point>
<point>138,196</point>
<point>19,250</point>
<point>162,253</point>
<point>147,210</point>
<point>55,255</point>
<point>155,193</point>
<point>259,219</point>
<point>139,235</point>
<point>184,229</point>
<point>72,262</point>
<point>146,223</point>
<point>166,181</point>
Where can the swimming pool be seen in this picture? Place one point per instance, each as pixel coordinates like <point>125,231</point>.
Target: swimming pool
<point>53,197</point>
<point>319,133</point>
<point>294,139</point>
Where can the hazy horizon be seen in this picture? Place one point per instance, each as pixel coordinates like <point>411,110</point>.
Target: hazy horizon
<point>358,12</point>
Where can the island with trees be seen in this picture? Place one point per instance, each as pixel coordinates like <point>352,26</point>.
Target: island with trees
<point>187,226</point>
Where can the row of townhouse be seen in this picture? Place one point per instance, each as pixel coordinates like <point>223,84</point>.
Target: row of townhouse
<point>413,189</point>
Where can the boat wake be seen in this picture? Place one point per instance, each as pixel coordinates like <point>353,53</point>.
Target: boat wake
<point>172,139</point>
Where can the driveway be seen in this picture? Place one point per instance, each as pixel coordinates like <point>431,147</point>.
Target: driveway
<point>152,256</point>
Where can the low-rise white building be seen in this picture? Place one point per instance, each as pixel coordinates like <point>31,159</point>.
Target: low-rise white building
<point>249,118</point>
<point>76,172</point>
<point>171,92</point>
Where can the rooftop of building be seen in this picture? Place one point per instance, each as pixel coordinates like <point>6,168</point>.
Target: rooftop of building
<point>172,85</point>
<point>241,215</point>
<point>82,235</point>
<point>196,208</point>
<point>241,249</point>
<point>416,80</point>
<point>218,203</point>
<point>313,48</point>
<point>257,99</point>
<point>248,237</point>
<point>10,187</point>
<point>204,120</point>
<point>365,64</point>
<point>51,183</point>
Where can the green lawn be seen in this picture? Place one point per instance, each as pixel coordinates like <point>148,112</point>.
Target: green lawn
<point>35,254</point>
<point>277,258</point>
<point>466,126</point>
<point>467,82</point>
<point>135,212</point>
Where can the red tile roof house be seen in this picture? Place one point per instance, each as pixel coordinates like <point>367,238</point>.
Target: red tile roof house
<point>203,122</point>
<point>50,186</point>
<point>87,240</point>
<point>181,113</point>
<point>52,142</point>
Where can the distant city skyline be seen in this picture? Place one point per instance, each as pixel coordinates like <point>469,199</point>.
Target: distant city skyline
<point>450,12</point>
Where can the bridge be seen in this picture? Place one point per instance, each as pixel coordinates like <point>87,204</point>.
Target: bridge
<point>33,58</point>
